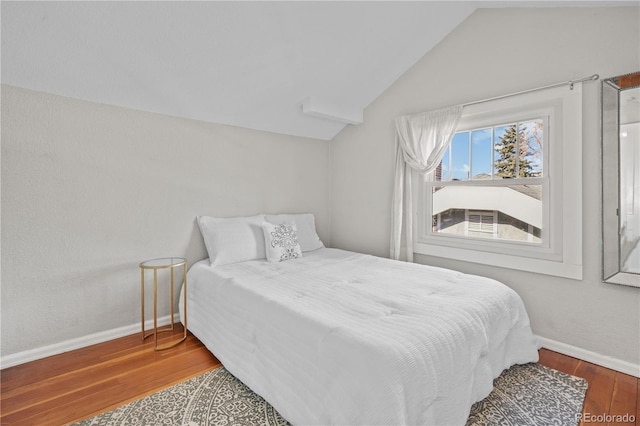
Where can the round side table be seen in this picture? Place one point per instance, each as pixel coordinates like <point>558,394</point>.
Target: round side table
<point>169,263</point>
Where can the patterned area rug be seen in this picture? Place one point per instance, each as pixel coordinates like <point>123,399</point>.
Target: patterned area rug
<point>533,395</point>
<point>528,394</point>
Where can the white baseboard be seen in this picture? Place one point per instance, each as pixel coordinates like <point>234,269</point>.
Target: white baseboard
<point>592,357</point>
<point>77,343</point>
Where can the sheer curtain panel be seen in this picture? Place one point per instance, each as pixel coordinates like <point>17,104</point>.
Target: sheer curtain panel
<point>421,141</point>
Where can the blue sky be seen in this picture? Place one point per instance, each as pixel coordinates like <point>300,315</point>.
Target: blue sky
<point>480,161</point>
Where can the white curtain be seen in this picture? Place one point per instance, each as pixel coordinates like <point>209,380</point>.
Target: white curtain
<point>421,141</point>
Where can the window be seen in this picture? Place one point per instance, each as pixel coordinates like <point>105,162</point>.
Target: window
<point>509,161</point>
<point>507,191</point>
<point>479,223</point>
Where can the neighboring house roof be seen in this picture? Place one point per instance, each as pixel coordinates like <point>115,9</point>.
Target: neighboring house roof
<point>521,204</point>
<point>534,191</point>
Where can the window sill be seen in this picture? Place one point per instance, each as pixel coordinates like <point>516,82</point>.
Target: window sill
<point>528,264</point>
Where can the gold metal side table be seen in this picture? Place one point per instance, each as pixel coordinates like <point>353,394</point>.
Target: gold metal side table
<point>156,264</point>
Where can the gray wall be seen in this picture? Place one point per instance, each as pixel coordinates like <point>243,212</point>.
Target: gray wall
<point>496,52</point>
<point>89,191</point>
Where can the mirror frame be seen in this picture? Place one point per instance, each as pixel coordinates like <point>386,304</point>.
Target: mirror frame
<point>610,125</point>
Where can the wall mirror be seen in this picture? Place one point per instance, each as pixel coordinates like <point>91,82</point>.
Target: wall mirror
<point>621,179</point>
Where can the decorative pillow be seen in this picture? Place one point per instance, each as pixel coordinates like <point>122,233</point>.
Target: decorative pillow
<point>281,242</point>
<point>232,240</point>
<point>306,226</point>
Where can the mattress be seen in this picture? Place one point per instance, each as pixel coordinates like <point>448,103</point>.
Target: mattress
<point>342,338</point>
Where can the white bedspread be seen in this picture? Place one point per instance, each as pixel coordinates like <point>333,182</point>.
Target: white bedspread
<point>340,338</point>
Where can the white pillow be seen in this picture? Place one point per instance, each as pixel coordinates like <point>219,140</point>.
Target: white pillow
<point>281,242</point>
<point>306,225</point>
<point>232,240</point>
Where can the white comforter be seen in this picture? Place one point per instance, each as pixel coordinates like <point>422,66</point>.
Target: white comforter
<point>349,339</point>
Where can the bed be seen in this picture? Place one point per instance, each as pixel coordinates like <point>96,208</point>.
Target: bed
<point>332,337</point>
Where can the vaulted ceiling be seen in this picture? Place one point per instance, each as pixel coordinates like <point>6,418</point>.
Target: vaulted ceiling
<point>300,68</point>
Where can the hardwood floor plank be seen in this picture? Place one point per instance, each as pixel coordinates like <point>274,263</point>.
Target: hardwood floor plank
<point>63,363</point>
<point>624,399</point>
<point>638,404</point>
<point>83,373</point>
<point>558,361</point>
<point>599,394</point>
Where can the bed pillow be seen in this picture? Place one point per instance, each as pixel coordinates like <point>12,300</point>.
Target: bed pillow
<point>281,242</point>
<point>232,240</point>
<point>306,226</point>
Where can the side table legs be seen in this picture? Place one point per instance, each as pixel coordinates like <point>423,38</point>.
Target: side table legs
<point>156,330</point>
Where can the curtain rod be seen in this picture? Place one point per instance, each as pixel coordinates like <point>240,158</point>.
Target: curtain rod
<point>570,83</point>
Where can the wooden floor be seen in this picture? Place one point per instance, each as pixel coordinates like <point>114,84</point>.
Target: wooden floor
<point>80,384</point>
<point>610,393</point>
<point>75,385</point>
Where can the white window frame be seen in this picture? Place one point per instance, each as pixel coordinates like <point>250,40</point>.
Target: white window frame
<point>560,252</point>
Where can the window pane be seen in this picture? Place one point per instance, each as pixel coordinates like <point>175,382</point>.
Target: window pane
<point>512,212</point>
<point>460,156</point>
<point>450,222</point>
<point>510,228</point>
<point>481,153</point>
<point>531,141</point>
<point>505,141</point>
<point>443,170</point>
<point>482,222</point>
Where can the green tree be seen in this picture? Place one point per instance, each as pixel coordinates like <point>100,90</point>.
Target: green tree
<point>513,149</point>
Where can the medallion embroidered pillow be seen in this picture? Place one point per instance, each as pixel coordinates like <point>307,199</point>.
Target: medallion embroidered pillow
<point>281,242</point>
<point>305,228</point>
